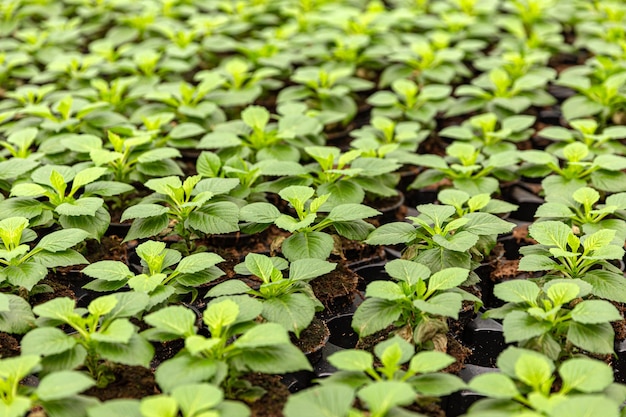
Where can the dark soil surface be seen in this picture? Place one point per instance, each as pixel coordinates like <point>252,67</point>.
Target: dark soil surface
<point>336,289</point>
<point>9,346</point>
<point>60,290</point>
<point>313,337</point>
<point>271,404</point>
<point>130,382</point>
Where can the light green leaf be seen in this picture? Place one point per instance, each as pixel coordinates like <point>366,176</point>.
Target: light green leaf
<point>63,384</point>
<point>595,311</point>
<point>352,360</point>
<point>62,239</point>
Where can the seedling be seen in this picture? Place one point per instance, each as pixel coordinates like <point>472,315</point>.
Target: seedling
<point>546,320</point>
<point>160,280</point>
<point>417,305</point>
<point>288,301</point>
<point>527,385</point>
<point>413,378</point>
<point>308,239</point>
<point>74,208</point>
<point>188,205</point>
<point>467,168</point>
<point>103,334</point>
<point>56,393</point>
<point>236,345</point>
<point>22,267</point>
<point>439,238</point>
<point>564,254</point>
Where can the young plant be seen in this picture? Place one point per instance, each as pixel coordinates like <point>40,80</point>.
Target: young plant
<point>581,211</point>
<point>407,101</point>
<point>580,168</point>
<point>103,334</point>
<point>465,204</point>
<point>349,177</point>
<point>254,138</point>
<point>497,92</point>
<point>57,393</point>
<point>188,400</point>
<point>384,131</point>
<point>188,204</point>
<point>598,96</point>
<point>132,158</point>
<point>487,133</point>
<point>288,301</point>
<point>467,168</point>
<point>243,83</point>
<point>74,206</point>
<point>403,377</point>
<point>236,345</point>
<point>22,267</point>
<point>564,254</point>
<point>163,282</point>
<point>439,238</point>
<point>426,60</point>
<point>308,239</point>
<point>328,90</point>
<point>599,141</point>
<point>252,177</point>
<point>552,319</point>
<point>527,385</point>
<point>418,304</point>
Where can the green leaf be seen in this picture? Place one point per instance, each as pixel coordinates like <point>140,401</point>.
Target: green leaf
<point>220,314</point>
<point>551,233</point>
<point>305,269</point>
<point>532,262</point>
<point>84,206</point>
<point>62,239</point>
<point>494,385</point>
<point>259,213</point>
<point>381,396</point>
<point>425,362</point>
<point>352,360</point>
<point>517,291</point>
<point>407,271</point>
<point>446,279</point>
<point>256,117</point>
<point>143,228</point>
<point>215,218</point>
<point>519,326</point>
<point>595,311</point>
<point>326,401</point>
<point>198,262</point>
<point>446,304</point>
<point>63,384</point>
<point>176,320</point>
<point>459,242</point>
<point>102,305</point>
<point>159,406</point>
<point>375,314</point>
<point>46,341</point>
<point>25,275</point>
<point>108,271</point>
<point>586,406</point>
<point>184,369</point>
<point>87,176</point>
<point>265,334</point>
<point>117,407</point>
<point>119,331</point>
<point>18,318</point>
<point>385,290</point>
<point>391,234</point>
<point>197,399</point>
<point>142,211</point>
<point>585,375</point>
<point>533,370</point>
<point>348,212</point>
<point>61,308</point>
<point>293,311</point>
<point>137,351</point>
<point>260,266</point>
<point>307,245</point>
<point>595,338</point>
